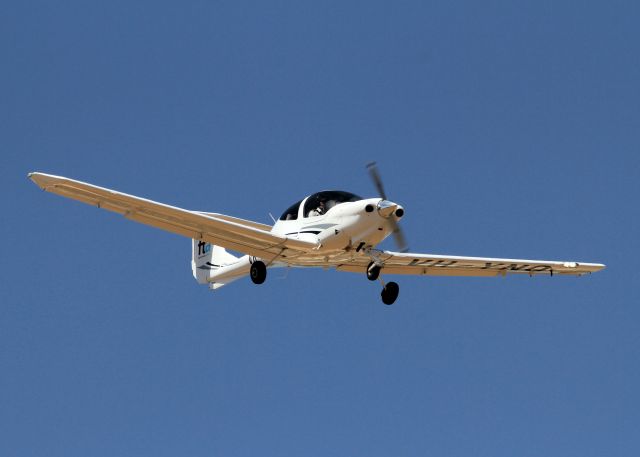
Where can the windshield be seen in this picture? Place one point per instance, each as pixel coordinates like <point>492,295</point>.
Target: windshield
<point>320,203</point>
<point>291,213</point>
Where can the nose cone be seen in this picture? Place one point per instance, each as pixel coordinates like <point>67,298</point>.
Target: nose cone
<point>387,208</point>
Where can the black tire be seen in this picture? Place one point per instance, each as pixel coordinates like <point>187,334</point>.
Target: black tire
<point>390,293</point>
<point>258,272</point>
<point>373,271</point>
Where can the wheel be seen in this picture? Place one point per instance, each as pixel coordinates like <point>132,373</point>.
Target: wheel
<point>258,272</point>
<point>373,271</point>
<point>390,293</point>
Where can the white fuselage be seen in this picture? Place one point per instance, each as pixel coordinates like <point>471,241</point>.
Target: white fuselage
<point>338,234</point>
<point>343,227</point>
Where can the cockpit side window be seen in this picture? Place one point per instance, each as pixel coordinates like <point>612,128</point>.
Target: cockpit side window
<point>318,204</point>
<point>291,213</point>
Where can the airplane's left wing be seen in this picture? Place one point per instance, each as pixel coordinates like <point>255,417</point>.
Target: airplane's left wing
<point>229,232</point>
<point>443,265</point>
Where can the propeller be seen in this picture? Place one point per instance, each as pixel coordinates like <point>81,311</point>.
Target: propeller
<point>377,180</point>
<point>398,234</point>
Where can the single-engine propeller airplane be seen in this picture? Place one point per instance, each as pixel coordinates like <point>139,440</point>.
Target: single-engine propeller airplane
<point>329,229</point>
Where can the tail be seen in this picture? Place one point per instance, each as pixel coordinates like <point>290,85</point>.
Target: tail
<point>206,258</point>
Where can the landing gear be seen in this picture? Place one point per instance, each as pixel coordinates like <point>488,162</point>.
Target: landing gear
<point>373,271</point>
<point>390,293</point>
<point>258,272</point>
<point>390,290</point>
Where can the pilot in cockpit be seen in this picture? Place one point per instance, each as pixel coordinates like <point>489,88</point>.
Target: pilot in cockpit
<point>319,211</point>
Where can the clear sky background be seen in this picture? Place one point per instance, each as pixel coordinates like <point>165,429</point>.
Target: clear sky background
<point>505,128</point>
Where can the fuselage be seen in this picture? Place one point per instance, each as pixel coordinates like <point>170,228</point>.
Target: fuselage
<point>347,224</point>
<point>346,221</point>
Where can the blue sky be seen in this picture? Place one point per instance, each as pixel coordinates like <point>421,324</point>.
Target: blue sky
<point>505,129</point>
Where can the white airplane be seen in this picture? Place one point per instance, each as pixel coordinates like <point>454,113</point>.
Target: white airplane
<point>329,229</point>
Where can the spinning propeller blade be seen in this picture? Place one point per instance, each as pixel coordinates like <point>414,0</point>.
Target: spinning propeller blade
<point>377,180</point>
<point>398,234</point>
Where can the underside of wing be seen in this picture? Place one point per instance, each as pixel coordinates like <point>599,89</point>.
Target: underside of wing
<point>443,265</point>
<point>236,234</point>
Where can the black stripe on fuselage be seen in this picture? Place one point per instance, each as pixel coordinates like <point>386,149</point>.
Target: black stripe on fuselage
<point>315,232</point>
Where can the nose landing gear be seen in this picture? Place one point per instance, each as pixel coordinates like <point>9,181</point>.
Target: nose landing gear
<point>390,290</point>
<point>389,293</point>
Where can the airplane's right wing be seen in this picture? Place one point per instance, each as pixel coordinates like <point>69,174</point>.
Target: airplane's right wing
<point>236,234</point>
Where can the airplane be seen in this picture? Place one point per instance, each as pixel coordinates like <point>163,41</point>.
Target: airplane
<point>329,229</point>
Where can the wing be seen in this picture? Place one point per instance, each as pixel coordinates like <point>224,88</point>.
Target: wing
<point>443,265</point>
<point>229,232</point>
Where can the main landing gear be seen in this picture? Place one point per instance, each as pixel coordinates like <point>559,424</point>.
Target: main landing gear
<point>373,271</point>
<point>258,272</point>
<point>390,290</point>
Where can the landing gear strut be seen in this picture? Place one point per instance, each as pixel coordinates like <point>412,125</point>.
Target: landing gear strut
<point>258,272</point>
<point>389,293</point>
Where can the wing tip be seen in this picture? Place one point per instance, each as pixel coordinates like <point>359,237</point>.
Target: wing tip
<point>34,176</point>
<point>592,267</point>
<point>43,179</point>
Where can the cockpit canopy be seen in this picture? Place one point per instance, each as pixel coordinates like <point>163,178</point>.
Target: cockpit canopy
<point>326,199</point>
